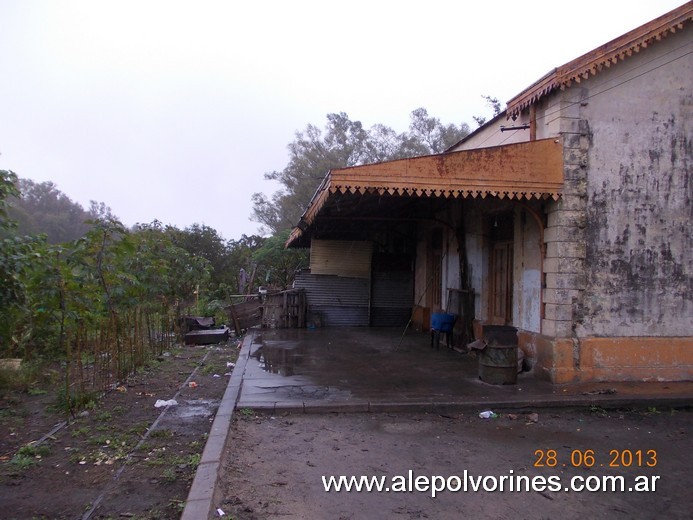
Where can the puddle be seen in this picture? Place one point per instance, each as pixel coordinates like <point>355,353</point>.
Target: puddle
<point>281,357</point>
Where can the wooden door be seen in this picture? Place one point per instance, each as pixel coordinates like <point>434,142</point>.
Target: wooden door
<point>501,296</point>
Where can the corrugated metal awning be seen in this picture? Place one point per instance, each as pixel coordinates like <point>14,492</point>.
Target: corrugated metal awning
<point>530,170</point>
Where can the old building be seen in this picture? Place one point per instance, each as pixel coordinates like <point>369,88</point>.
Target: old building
<point>568,216</point>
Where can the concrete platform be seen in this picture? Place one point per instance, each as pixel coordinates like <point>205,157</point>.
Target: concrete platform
<point>372,369</point>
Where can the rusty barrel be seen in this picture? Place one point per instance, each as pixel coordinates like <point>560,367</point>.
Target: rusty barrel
<point>498,361</point>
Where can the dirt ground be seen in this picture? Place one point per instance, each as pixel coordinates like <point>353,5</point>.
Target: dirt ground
<point>275,464</point>
<point>121,458</point>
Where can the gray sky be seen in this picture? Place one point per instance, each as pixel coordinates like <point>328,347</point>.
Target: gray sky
<point>174,110</point>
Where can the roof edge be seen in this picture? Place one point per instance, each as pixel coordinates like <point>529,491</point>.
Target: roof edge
<point>591,63</point>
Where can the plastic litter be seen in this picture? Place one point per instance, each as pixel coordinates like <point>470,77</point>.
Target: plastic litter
<point>161,403</point>
<point>488,414</point>
<point>216,375</point>
<point>230,364</point>
<point>192,384</point>
<point>220,512</point>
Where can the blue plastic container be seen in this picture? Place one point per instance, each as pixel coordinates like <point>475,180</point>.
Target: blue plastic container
<point>442,322</point>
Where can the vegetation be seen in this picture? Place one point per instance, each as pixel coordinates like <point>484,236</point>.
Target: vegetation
<point>43,209</point>
<point>79,288</point>
<point>344,143</point>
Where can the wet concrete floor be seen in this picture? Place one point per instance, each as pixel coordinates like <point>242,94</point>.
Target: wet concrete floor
<point>370,369</point>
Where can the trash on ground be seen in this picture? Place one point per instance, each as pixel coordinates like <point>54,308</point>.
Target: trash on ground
<point>192,384</point>
<point>230,364</point>
<point>488,414</point>
<point>161,403</point>
<point>216,375</point>
<point>606,391</point>
<point>220,512</point>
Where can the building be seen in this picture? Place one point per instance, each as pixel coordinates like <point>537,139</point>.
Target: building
<point>568,216</point>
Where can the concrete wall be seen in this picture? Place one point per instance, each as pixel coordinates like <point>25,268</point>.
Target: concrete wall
<point>619,261</point>
<point>618,264</point>
<point>639,245</point>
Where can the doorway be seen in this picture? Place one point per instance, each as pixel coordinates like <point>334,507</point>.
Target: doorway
<point>501,270</point>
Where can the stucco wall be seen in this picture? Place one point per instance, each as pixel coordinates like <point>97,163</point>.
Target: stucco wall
<point>639,254</point>
<point>527,267</point>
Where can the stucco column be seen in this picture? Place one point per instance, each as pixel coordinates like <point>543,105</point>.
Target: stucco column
<point>564,264</point>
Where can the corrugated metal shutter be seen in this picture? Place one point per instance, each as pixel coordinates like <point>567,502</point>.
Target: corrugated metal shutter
<point>351,259</point>
<point>340,301</point>
<point>393,298</point>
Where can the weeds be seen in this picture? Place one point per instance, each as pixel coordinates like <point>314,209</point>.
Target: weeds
<point>20,379</point>
<point>161,434</point>
<point>598,411</point>
<point>75,402</point>
<point>79,432</point>
<point>29,455</point>
<point>169,475</point>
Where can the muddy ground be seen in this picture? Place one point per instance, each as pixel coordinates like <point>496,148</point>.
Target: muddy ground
<point>121,457</point>
<point>275,464</point>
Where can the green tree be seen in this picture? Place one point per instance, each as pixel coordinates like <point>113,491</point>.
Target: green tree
<point>241,257</point>
<point>40,208</point>
<point>344,143</point>
<point>8,188</point>
<point>19,255</point>
<point>278,265</point>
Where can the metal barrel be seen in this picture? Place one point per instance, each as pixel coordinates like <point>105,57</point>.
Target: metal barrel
<point>498,361</point>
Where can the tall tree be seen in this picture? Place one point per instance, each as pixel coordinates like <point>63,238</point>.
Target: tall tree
<point>41,208</point>
<point>344,143</point>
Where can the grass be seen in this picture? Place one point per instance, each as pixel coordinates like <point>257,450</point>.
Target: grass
<point>75,401</point>
<point>80,432</point>
<point>29,455</point>
<point>212,368</point>
<point>160,434</point>
<point>169,475</point>
<point>19,380</point>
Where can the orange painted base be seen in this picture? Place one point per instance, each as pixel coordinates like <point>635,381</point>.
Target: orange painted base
<point>613,359</point>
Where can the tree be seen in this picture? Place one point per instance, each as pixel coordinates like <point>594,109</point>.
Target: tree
<point>277,265</point>
<point>494,104</point>
<point>344,143</point>
<point>41,208</point>
<point>8,188</point>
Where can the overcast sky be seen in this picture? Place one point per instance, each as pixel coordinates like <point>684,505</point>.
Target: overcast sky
<point>174,110</point>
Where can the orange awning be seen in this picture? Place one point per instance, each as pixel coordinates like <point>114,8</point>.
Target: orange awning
<point>530,170</point>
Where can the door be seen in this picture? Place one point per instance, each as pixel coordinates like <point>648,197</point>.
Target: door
<point>501,297</point>
<point>502,237</point>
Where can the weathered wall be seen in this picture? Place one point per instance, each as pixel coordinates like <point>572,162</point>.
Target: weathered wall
<point>639,254</point>
<point>527,267</point>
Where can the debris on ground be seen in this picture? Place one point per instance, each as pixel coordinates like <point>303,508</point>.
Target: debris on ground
<point>160,403</point>
<point>605,391</point>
